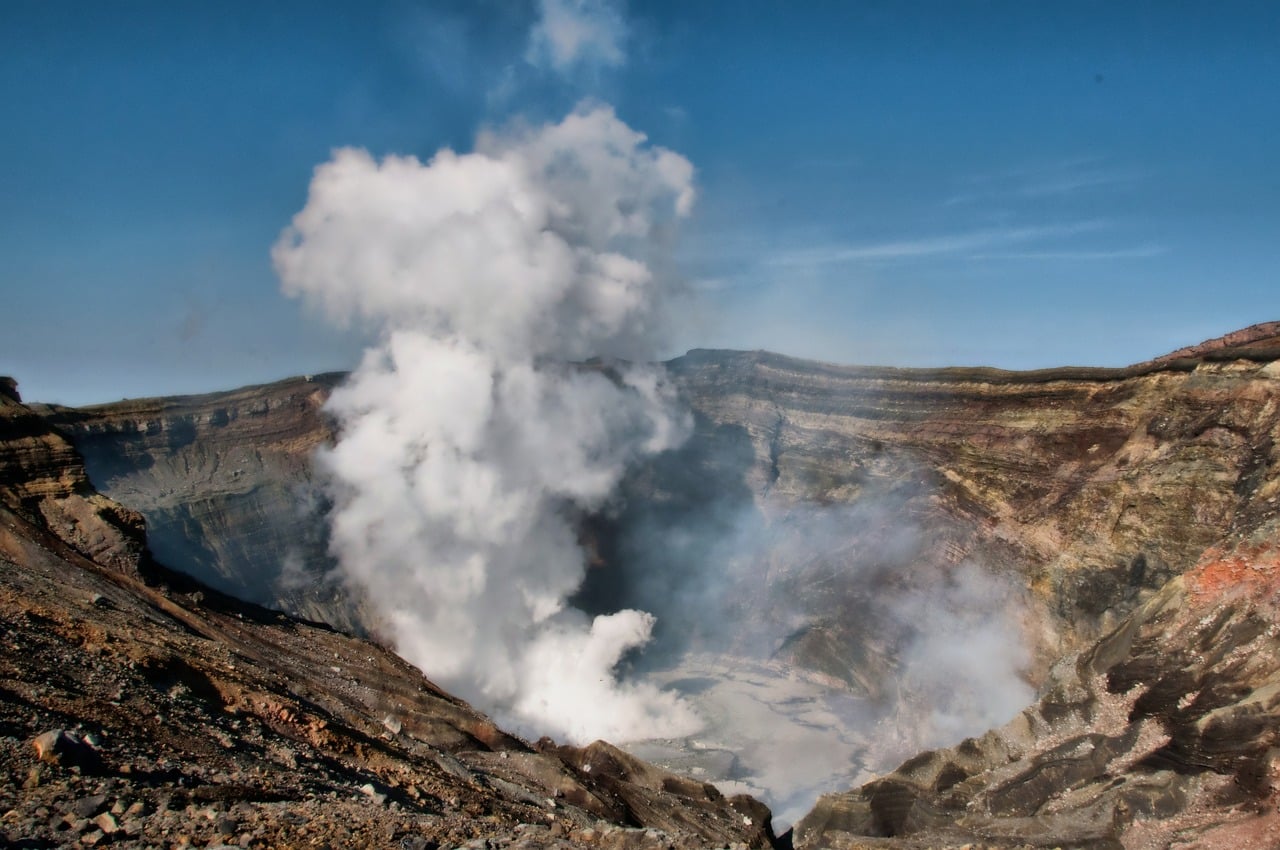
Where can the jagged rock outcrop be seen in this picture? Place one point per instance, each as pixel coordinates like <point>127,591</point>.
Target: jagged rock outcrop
<point>1257,342</point>
<point>1162,734</point>
<point>42,477</point>
<point>158,712</point>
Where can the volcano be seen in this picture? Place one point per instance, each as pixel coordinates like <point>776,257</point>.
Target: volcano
<point>1122,521</point>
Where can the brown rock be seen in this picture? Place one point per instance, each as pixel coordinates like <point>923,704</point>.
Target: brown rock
<point>107,823</point>
<point>87,807</point>
<point>1162,733</point>
<point>42,477</point>
<point>61,747</point>
<point>9,388</point>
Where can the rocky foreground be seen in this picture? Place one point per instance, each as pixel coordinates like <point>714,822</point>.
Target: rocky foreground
<point>139,708</point>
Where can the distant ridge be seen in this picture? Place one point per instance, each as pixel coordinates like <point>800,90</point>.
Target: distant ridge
<point>1247,343</point>
<point>1260,342</point>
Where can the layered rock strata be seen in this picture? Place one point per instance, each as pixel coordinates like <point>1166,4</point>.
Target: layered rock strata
<point>1089,487</point>
<point>163,713</point>
<point>43,478</point>
<point>225,482</point>
<point>1162,734</point>
<point>1085,489</point>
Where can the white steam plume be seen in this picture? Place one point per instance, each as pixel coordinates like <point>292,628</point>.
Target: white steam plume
<point>467,439</point>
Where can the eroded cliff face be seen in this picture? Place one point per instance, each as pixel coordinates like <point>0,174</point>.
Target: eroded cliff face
<point>1090,493</point>
<point>1162,734</point>
<point>42,478</point>
<point>139,708</point>
<point>225,482</point>
<point>1087,488</point>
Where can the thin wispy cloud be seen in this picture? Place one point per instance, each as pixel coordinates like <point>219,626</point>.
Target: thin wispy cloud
<point>946,244</point>
<point>1059,179</point>
<point>1068,184</point>
<point>711,284</point>
<point>1032,172</point>
<point>828,163</point>
<point>1138,253</point>
<point>573,34</point>
<point>442,46</point>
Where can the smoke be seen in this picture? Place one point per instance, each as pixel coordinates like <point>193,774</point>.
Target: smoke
<point>964,660</point>
<point>472,447</point>
<point>469,442</point>
<point>846,649</point>
<point>824,643</point>
<point>820,643</point>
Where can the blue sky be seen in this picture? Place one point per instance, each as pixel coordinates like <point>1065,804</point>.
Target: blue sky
<point>1018,184</point>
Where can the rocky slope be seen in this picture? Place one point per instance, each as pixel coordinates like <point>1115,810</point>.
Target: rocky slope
<point>139,708</point>
<point>850,521</point>
<point>1163,734</point>
<point>43,476</point>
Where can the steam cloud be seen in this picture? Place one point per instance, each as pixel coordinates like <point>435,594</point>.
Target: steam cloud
<point>471,446</point>
<point>823,643</point>
<point>965,665</point>
<point>468,439</point>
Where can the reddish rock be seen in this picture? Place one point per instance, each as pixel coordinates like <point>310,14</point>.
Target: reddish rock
<point>61,747</point>
<point>1164,733</point>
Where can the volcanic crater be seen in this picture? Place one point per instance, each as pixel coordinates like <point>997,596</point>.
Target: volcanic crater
<point>182,666</point>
